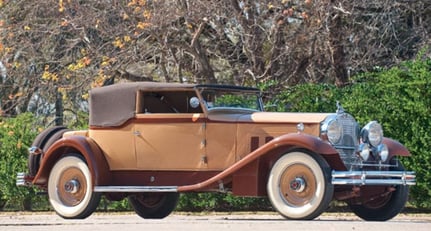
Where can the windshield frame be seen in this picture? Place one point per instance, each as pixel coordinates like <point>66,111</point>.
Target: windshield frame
<point>219,90</point>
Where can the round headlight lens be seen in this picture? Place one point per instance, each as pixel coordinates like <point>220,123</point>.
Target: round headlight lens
<point>372,133</point>
<point>334,131</point>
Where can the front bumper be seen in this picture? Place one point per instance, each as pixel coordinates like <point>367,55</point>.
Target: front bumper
<point>373,178</point>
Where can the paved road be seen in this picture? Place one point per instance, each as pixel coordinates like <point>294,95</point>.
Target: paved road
<point>216,222</point>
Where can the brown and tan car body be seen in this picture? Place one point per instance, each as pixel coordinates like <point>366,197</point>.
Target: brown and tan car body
<point>135,143</point>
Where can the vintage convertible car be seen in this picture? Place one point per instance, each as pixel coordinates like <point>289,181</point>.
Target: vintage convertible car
<point>151,141</point>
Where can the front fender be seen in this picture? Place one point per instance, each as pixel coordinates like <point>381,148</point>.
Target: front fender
<point>395,148</point>
<point>85,146</point>
<point>314,144</point>
<point>273,149</point>
<point>309,142</point>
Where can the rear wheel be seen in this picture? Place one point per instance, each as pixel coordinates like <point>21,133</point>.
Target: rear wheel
<point>299,185</point>
<point>154,205</point>
<point>385,207</point>
<point>70,188</point>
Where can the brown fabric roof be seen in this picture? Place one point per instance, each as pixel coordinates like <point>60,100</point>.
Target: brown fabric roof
<point>115,104</point>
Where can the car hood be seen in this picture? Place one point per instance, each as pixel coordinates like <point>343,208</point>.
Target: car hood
<point>269,117</point>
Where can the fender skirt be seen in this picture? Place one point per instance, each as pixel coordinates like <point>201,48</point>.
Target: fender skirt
<point>80,145</point>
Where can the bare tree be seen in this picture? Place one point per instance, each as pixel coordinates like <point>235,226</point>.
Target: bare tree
<point>52,51</point>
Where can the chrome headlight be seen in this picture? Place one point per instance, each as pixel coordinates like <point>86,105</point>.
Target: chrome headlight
<point>332,129</point>
<point>372,134</point>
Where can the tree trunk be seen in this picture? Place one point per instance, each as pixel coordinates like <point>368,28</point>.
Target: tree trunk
<point>338,54</point>
<point>59,109</point>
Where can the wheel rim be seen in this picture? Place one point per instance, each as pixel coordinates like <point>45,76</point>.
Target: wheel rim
<point>71,187</point>
<point>297,185</point>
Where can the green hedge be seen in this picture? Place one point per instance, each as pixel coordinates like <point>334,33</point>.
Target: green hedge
<point>16,136</point>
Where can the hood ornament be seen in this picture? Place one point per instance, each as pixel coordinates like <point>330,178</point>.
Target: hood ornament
<point>340,109</point>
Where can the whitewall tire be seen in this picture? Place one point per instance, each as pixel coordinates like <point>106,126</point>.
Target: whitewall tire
<point>70,188</point>
<point>299,185</point>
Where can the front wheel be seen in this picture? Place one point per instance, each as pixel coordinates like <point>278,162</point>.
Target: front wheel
<point>154,205</point>
<point>299,185</point>
<point>386,206</point>
<point>70,188</point>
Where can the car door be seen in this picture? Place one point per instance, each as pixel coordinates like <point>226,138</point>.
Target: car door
<point>168,134</point>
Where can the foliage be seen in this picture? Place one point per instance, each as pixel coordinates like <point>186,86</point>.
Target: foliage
<point>220,202</point>
<point>309,98</point>
<point>16,136</point>
<point>56,49</point>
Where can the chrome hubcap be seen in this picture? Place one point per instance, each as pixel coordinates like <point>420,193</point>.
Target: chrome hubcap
<point>298,184</point>
<point>72,186</point>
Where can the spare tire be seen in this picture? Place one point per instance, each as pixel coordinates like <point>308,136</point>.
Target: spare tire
<point>54,137</point>
<point>40,142</point>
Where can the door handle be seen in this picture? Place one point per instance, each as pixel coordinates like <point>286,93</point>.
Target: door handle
<point>137,133</point>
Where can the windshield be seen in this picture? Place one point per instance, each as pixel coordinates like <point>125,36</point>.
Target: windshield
<point>231,99</point>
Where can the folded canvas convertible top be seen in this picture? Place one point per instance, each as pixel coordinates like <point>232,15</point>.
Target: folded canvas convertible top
<point>113,105</point>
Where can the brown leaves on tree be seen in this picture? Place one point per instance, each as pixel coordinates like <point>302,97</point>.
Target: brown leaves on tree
<point>86,44</point>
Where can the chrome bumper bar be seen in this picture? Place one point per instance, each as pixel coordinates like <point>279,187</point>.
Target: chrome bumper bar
<point>373,178</point>
<point>23,179</point>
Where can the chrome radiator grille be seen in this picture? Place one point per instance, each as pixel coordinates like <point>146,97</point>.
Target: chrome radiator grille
<point>348,145</point>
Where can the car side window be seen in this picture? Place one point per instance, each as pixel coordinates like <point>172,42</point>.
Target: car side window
<point>168,102</point>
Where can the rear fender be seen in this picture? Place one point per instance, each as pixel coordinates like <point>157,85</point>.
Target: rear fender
<point>85,146</point>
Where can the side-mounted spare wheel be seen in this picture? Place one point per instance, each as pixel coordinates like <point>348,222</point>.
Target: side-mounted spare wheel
<point>70,188</point>
<point>42,141</point>
<point>299,185</point>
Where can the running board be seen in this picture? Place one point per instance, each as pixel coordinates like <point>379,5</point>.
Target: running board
<point>134,189</point>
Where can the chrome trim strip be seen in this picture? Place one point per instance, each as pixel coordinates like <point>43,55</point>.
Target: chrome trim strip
<point>136,189</point>
<point>373,178</point>
<point>344,147</point>
<point>374,165</point>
